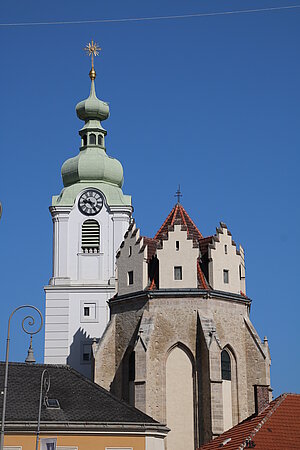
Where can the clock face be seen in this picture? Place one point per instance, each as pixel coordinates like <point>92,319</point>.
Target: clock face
<point>90,202</point>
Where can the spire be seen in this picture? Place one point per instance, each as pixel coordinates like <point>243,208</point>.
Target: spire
<point>92,109</point>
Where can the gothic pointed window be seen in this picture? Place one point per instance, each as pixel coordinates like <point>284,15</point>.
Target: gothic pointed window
<point>90,236</point>
<point>225,366</point>
<point>100,140</point>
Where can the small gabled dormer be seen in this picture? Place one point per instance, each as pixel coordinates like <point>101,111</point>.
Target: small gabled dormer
<point>226,264</point>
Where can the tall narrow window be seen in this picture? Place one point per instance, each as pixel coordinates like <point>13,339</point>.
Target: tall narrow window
<point>226,390</point>
<point>177,246</point>
<point>226,276</point>
<point>225,249</point>
<point>90,236</point>
<point>132,366</point>
<point>92,139</point>
<point>86,352</point>
<point>84,140</point>
<point>100,140</point>
<point>225,366</point>
<point>130,277</point>
<point>130,250</point>
<point>177,273</point>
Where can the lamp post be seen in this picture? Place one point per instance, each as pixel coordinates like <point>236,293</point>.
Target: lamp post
<point>45,385</point>
<point>30,321</point>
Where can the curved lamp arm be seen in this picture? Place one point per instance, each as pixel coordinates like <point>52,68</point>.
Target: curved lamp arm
<point>27,321</point>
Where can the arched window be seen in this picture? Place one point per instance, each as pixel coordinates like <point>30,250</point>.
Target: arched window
<point>181,421</point>
<point>225,366</point>
<point>100,140</point>
<point>84,140</point>
<point>90,237</point>
<point>92,139</point>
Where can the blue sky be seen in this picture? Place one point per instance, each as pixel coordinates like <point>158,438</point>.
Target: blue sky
<point>211,103</point>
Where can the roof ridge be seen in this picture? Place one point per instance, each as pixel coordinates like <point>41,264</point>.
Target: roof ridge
<point>183,218</point>
<point>155,237</point>
<point>37,364</point>
<point>200,234</point>
<point>174,215</point>
<point>266,417</point>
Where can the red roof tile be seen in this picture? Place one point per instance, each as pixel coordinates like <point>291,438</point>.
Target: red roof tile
<point>179,216</point>
<point>204,243</point>
<point>151,246</point>
<point>276,428</point>
<point>202,283</point>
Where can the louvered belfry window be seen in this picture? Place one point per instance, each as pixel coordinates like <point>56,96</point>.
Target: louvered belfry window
<point>90,237</point>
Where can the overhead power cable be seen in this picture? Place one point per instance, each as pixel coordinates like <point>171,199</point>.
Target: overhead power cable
<point>140,19</point>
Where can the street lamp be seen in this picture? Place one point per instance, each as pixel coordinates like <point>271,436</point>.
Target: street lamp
<point>30,321</point>
<point>45,386</point>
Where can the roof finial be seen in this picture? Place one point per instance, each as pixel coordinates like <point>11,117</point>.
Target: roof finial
<point>178,194</point>
<point>92,49</point>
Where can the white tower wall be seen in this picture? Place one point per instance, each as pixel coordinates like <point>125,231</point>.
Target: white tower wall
<point>80,280</point>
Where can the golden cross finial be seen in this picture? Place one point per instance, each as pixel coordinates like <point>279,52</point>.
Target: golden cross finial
<point>92,49</point>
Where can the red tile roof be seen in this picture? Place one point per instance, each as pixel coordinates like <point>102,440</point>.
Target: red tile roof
<point>276,428</point>
<point>151,247</point>
<point>204,243</point>
<point>179,216</point>
<point>202,283</point>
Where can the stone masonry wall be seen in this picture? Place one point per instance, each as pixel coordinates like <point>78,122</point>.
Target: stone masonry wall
<point>175,320</point>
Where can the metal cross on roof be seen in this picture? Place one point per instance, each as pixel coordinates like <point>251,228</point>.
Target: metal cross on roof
<point>92,49</point>
<point>178,194</point>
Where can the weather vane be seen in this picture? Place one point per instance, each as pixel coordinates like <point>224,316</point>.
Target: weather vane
<point>92,49</point>
<point>178,194</point>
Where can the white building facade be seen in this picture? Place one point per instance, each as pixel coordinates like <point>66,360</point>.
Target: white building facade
<point>90,218</point>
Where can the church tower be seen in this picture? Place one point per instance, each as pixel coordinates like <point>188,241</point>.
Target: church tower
<point>90,218</point>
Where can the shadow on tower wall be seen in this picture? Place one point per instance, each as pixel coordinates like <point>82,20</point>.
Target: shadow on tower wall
<point>81,356</point>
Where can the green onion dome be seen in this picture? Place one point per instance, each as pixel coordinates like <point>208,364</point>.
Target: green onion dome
<point>92,164</point>
<point>92,107</point>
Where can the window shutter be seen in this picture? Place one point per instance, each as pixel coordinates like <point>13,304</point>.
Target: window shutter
<point>90,238</point>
